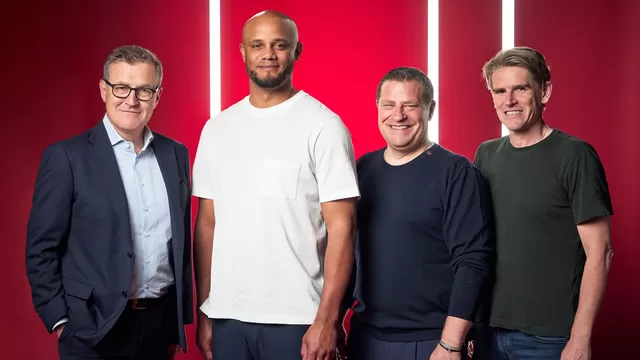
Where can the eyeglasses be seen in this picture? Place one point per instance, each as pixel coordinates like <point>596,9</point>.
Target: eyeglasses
<point>122,91</point>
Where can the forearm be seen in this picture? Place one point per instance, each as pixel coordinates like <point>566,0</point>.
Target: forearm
<point>337,273</point>
<point>592,289</point>
<point>202,253</point>
<point>455,331</point>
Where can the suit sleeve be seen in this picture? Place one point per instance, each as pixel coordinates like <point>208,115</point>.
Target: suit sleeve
<point>188,267</point>
<point>468,234</point>
<point>47,234</point>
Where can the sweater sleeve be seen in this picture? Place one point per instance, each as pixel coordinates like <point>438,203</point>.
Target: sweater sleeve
<point>468,233</point>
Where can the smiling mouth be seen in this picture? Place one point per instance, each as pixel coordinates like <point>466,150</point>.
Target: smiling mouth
<point>513,112</point>
<point>399,127</point>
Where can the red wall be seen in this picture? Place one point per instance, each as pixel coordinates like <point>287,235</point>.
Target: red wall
<point>594,54</point>
<point>53,60</point>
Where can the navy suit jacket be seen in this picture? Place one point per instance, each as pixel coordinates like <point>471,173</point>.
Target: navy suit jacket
<point>79,244</point>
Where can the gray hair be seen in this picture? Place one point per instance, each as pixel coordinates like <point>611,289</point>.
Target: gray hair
<point>133,54</point>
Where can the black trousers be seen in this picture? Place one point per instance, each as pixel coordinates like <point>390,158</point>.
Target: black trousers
<point>237,340</point>
<point>139,334</point>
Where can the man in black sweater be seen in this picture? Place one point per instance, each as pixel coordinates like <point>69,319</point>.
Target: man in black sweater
<point>424,248</point>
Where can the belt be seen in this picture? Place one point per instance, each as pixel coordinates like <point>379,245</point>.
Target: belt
<point>141,304</point>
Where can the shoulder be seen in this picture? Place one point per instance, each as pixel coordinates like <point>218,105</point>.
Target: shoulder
<point>455,165</point>
<point>449,158</point>
<point>573,153</point>
<point>492,146</point>
<point>310,105</point>
<point>75,145</point>
<point>318,114</point>
<point>369,160</point>
<point>226,116</point>
<point>164,140</point>
<point>572,145</point>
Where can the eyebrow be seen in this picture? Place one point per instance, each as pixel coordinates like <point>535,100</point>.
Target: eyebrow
<point>519,86</point>
<point>387,101</point>
<point>143,86</point>
<point>273,41</point>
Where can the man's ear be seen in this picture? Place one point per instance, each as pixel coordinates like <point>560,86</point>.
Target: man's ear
<point>243,53</point>
<point>546,92</point>
<point>432,109</point>
<point>103,90</point>
<point>156,99</point>
<point>298,51</point>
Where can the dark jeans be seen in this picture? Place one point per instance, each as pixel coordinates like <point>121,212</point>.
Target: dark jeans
<point>139,334</point>
<point>500,344</point>
<point>237,340</point>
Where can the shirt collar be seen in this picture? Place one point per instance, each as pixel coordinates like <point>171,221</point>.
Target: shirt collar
<point>115,138</point>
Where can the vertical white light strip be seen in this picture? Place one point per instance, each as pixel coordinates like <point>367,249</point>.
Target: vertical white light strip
<point>508,32</point>
<point>215,87</point>
<point>433,53</point>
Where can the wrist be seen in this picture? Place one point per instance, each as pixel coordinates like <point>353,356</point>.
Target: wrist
<point>328,312</point>
<point>580,336</point>
<point>450,348</point>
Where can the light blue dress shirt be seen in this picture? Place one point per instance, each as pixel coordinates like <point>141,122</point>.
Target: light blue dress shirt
<point>148,214</point>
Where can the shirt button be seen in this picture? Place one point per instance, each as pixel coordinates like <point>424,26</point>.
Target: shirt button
<point>142,184</point>
<point>124,294</point>
<point>130,255</point>
<point>146,235</point>
<point>146,209</point>
<point>148,261</point>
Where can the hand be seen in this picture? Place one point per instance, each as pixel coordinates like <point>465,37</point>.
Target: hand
<point>174,349</point>
<point>441,354</point>
<point>59,330</point>
<point>319,343</point>
<point>576,349</point>
<point>203,336</point>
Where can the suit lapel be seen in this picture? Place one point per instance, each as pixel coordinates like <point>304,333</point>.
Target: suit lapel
<point>107,166</point>
<point>166,156</point>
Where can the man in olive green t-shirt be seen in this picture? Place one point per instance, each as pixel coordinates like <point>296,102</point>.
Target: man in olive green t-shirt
<point>552,208</point>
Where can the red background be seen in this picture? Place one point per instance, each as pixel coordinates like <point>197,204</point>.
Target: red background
<point>53,54</point>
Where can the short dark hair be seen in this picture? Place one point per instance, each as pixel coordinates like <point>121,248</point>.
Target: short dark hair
<point>133,54</point>
<point>406,74</point>
<point>524,57</point>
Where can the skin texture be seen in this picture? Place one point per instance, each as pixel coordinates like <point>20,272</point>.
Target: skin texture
<point>513,90</point>
<point>130,116</point>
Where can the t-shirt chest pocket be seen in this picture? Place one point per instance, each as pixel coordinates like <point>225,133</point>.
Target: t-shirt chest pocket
<point>280,179</point>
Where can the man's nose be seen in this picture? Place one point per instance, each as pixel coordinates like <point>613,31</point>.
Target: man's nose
<point>132,100</point>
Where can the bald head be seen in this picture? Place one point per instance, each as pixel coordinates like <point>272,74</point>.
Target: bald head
<point>270,18</point>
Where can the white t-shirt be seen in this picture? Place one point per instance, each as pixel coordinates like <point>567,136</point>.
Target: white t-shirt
<point>267,171</point>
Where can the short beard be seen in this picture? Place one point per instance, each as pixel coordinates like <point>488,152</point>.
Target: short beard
<point>270,82</point>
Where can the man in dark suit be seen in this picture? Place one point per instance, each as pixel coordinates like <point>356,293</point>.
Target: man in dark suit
<point>109,235</point>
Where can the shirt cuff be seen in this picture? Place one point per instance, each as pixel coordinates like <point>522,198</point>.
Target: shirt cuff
<point>60,322</point>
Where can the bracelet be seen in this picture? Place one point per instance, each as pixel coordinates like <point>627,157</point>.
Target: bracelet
<point>450,348</point>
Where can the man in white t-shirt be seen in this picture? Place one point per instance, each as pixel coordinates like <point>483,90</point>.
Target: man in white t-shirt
<point>278,168</point>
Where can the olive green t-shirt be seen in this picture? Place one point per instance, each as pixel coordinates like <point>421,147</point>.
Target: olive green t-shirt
<point>540,194</point>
